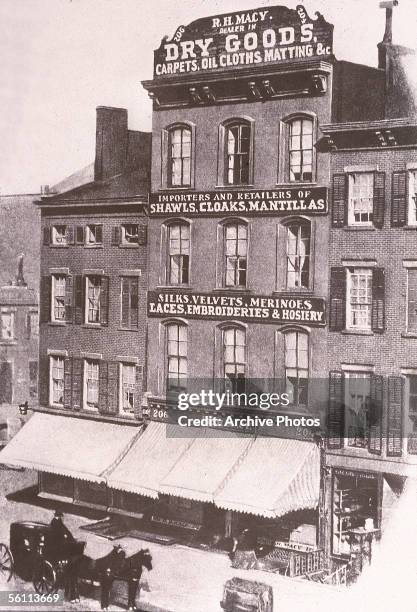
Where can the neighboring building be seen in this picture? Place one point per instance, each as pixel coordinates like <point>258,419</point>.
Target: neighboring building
<point>19,336</point>
<point>93,310</point>
<point>372,340</point>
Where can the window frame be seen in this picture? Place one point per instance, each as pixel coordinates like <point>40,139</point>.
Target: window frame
<point>54,239</point>
<point>87,321</point>
<point>411,188</point>
<point>301,223</point>
<point>302,151</point>
<point>86,363</point>
<point>123,232</point>
<point>166,182</point>
<point>185,181</point>
<point>122,411</point>
<point>54,278</point>
<point>168,356</point>
<point>168,265</point>
<point>88,232</point>
<point>8,312</point>
<point>283,172</point>
<point>222,161</point>
<point>129,279</point>
<point>226,380</point>
<point>351,222</point>
<point>350,271</point>
<point>223,258</point>
<point>297,331</point>
<point>52,359</point>
<point>357,374</point>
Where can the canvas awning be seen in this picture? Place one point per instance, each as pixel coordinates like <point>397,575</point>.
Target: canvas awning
<point>152,456</point>
<point>277,476</point>
<point>203,469</point>
<point>81,448</point>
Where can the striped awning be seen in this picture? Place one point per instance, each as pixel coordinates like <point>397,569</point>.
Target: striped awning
<point>206,466</point>
<point>152,456</point>
<point>80,448</point>
<point>277,476</point>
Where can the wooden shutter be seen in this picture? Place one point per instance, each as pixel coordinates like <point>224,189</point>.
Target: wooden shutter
<point>125,301</point>
<point>142,234</point>
<point>67,383</point>
<point>134,303</point>
<point>115,235</point>
<point>79,234</point>
<point>399,199</point>
<point>69,234</point>
<point>379,199</point>
<point>99,234</point>
<point>138,389</point>
<point>103,384</point>
<point>79,299</point>
<point>104,300</point>
<point>47,236</point>
<point>45,299</point>
<point>337,320</point>
<point>412,300</point>
<point>43,383</point>
<point>336,414</point>
<point>68,298</point>
<point>113,387</point>
<point>378,300</point>
<point>339,208</point>
<point>375,415</point>
<point>395,416</point>
<point>77,383</point>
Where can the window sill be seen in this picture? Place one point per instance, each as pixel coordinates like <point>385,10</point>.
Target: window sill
<point>186,288</point>
<point>409,335</point>
<point>235,187</point>
<point>295,184</point>
<point>59,246</point>
<point>410,227</point>
<point>8,342</point>
<point>128,329</point>
<point>93,246</point>
<point>232,290</point>
<point>292,290</point>
<point>58,323</point>
<point>359,228</point>
<point>177,188</point>
<point>93,326</point>
<point>357,332</point>
<point>126,245</point>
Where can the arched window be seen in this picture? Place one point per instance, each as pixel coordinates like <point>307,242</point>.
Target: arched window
<point>237,153</point>
<point>178,253</point>
<point>179,157</point>
<point>301,149</point>
<point>234,358</point>
<point>298,253</point>
<point>235,240</point>
<point>296,349</point>
<point>176,356</point>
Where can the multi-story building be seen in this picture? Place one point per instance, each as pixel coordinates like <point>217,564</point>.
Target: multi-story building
<point>19,332</point>
<point>92,316</point>
<point>372,314</point>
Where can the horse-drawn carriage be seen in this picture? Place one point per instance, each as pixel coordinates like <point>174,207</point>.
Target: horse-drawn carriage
<point>241,595</point>
<point>35,555</point>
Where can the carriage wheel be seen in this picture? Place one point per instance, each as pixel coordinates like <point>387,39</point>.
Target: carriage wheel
<point>6,563</point>
<point>44,578</point>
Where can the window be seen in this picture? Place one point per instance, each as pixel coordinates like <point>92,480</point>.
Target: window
<point>7,325</point>
<point>234,359</point>
<point>178,254</point>
<point>412,300</point>
<point>359,298</point>
<point>33,379</point>
<point>93,235</point>
<point>296,366</point>
<point>361,198</point>
<point>177,341</point>
<point>301,150</point>
<point>179,157</point>
<point>235,253</point>
<point>130,234</point>
<point>58,297</point>
<point>358,408</point>
<point>91,384</point>
<point>412,197</point>
<point>237,154</point>
<point>93,301</point>
<point>411,430</point>
<point>56,381</point>
<point>127,388</point>
<point>298,254</point>
<point>59,234</point>
<point>130,304</point>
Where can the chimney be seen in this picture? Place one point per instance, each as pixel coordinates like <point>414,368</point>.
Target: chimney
<point>111,142</point>
<point>388,5</point>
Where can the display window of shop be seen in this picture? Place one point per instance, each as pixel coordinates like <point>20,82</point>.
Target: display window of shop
<point>235,240</point>
<point>234,358</point>
<point>58,297</point>
<point>7,324</point>
<point>179,156</point>
<point>298,254</point>
<point>178,264</point>
<point>296,354</point>
<point>56,381</point>
<point>301,149</point>
<point>355,504</point>
<point>358,408</point>
<point>91,384</point>
<point>127,388</point>
<point>129,302</point>
<point>176,355</point>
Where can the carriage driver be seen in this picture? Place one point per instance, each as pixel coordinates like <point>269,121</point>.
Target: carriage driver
<point>61,534</point>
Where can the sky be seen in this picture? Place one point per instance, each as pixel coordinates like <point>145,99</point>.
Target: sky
<point>60,59</point>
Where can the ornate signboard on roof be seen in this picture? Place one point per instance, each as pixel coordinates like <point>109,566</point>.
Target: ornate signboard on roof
<point>262,37</point>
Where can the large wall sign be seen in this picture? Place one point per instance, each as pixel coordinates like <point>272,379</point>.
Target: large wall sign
<point>293,201</point>
<point>264,36</point>
<point>225,307</point>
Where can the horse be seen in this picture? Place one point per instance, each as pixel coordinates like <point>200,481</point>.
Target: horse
<point>114,565</point>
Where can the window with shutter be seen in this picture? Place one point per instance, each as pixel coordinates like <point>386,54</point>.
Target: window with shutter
<point>337,299</point>
<point>412,198</point>
<point>129,305</point>
<point>359,298</point>
<point>339,208</point>
<point>411,410</point>
<point>412,300</point>
<point>79,234</point>
<point>45,299</point>
<point>361,198</point>
<point>59,235</point>
<point>395,416</point>
<point>94,235</point>
<point>378,300</point>
<point>59,298</point>
<point>77,383</point>
<point>79,300</point>
<point>127,389</point>
<point>91,384</point>
<point>104,300</point>
<point>378,199</point>
<point>56,384</point>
